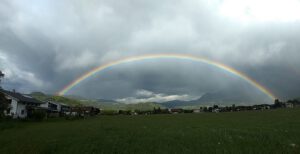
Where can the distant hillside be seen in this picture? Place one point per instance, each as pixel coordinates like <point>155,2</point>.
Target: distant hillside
<point>143,106</point>
<point>225,97</point>
<point>106,100</point>
<point>218,98</point>
<point>100,103</point>
<point>75,97</point>
<point>43,97</point>
<point>175,103</point>
<point>113,105</point>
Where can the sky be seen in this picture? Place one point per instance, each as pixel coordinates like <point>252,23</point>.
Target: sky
<point>44,45</point>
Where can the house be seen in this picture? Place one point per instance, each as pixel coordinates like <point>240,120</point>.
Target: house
<point>175,111</point>
<point>54,109</point>
<point>196,111</point>
<point>50,106</point>
<point>84,111</point>
<point>20,105</point>
<point>64,109</point>
<point>289,105</point>
<point>90,110</point>
<point>216,110</point>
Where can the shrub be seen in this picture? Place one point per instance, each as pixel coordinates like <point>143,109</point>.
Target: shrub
<point>109,112</point>
<point>38,115</point>
<point>4,105</point>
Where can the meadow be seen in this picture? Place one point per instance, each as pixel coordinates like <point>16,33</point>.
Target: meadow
<point>272,131</point>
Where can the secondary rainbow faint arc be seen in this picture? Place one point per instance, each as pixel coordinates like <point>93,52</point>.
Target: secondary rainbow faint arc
<point>160,56</point>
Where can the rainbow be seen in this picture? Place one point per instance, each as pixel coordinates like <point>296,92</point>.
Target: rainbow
<point>168,55</point>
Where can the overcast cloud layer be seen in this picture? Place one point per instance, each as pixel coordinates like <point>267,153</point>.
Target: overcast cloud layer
<point>44,45</point>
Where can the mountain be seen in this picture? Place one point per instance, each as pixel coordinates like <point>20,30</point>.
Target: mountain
<point>237,96</point>
<point>75,97</point>
<point>175,103</point>
<point>44,97</point>
<point>224,97</point>
<point>105,100</point>
<point>114,105</point>
<point>143,106</point>
<point>100,103</point>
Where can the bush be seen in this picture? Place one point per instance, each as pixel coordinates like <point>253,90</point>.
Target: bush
<point>4,104</point>
<point>38,115</point>
<point>74,117</point>
<point>109,112</point>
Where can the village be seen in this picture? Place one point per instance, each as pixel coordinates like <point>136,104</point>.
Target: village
<point>21,106</point>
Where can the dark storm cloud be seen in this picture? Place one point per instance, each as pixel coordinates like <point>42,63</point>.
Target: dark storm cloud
<point>44,45</point>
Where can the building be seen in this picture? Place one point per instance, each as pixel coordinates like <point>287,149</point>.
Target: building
<point>20,105</point>
<point>175,111</point>
<point>64,109</point>
<point>50,106</point>
<point>196,110</point>
<point>84,110</point>
<point>216,110</point>
<point>289,105</point>
<point>55,109</point>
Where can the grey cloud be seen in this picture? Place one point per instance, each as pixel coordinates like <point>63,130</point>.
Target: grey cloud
<point>150,96</point>
<point>56,42</point>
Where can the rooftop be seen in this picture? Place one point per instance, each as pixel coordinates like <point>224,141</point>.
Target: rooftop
<point>21,97</point>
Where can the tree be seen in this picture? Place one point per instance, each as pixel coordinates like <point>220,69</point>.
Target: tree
<point>233,107</point>
<point>205,109</point>
<point>215,106</point>
<point>3,101</point>
<point>1,76</point>
<point>3,105</point>
<point>277,103</point>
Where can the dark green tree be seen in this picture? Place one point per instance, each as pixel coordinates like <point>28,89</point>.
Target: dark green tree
<point>3,105</point>
<point>215,106</point>
<point>233,107</point>
<point>1,76</point>
<point>3,101</point>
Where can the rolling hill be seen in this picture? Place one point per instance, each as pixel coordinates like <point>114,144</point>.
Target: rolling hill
<point>218,98</point>
<point>222,97</point>
<point>100,103</point>
<point>44,97</point>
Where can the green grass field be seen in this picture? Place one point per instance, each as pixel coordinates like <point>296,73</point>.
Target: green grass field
<point>273,131</point>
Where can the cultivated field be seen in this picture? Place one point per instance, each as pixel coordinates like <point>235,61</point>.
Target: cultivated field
<point>274,131</point>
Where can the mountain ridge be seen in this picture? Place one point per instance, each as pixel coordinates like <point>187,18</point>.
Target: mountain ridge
<point>209,99</point>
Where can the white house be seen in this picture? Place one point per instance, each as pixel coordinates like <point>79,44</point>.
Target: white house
<point>55,106</point>
<point>55,109</point>
<point>196,111</point>
<point>20,105</point>
<point>51,106</point>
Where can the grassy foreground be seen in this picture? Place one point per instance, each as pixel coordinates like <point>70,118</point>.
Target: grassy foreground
<point>274,131</point>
